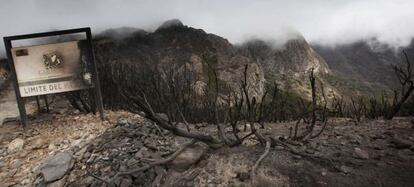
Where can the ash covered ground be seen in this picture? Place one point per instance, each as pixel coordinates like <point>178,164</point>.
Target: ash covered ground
<point>68,148</point>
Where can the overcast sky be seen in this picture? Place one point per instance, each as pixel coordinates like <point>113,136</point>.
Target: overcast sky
<point>327,22</point>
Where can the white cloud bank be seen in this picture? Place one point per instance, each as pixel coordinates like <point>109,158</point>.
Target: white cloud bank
<point>326,22</point>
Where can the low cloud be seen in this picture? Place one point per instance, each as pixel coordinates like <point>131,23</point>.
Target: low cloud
<point>325,22</point>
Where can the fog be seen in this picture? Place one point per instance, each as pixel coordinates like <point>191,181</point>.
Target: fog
<point>324,22</point>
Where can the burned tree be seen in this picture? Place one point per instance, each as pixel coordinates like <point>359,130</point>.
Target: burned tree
<point>312,113</point>
<point>357,108</point>
<point>338,105</point>
<point>406,79</point>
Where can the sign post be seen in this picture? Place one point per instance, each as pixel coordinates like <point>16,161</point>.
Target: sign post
<point>53,68</point>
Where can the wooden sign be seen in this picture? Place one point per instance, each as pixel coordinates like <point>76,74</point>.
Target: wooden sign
<point>52,68</point>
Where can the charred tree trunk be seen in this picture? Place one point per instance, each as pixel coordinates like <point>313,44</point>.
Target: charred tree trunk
<point>406,78</point>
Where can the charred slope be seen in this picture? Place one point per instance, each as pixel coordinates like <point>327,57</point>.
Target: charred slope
<point>172,49</point>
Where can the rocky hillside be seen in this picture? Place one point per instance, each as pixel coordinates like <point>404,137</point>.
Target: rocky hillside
<point>293,57</point>
<point>176,48</point>
<point>289,64</point>
<point>179,48</point>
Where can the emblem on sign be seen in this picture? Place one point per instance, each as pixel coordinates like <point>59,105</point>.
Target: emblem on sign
<point>52,60</point>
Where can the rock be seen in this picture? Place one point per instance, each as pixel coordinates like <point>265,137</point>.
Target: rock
<point>39,143</point>
<point>87,155</point>
<point>84,182</point>
<point>39,182</point>
<point>361,154</point>
<point>310,151</point>
<point>324,172</point>
<point>131,162</point>
<point>77,142</point>
<point>12,172</point>
<point>400,144</point>
<point>188,157</point>
<point>23,154</point>
<point>123,122</point>
<point>51,146</point>
<point>62,111</point>
<point>297,157</point>
<point>15,145</point>
<point>140,153</point>
<point>15,164</point>
<point>58,183</point>
<point>345,169</point>
<point>55,167</point>
<point>65,141</point>
<point>1,164</point>
<point>9,183</point>
<point>77,136</point>
<point>25,182</point>
<point>3,175</point>
<point>91,159</point>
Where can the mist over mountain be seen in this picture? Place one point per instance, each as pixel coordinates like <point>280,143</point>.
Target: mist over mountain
<point>365,61</point>
<point>327,23</point>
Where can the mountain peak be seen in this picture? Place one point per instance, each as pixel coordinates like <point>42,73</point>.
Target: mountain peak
<point>171,23</point>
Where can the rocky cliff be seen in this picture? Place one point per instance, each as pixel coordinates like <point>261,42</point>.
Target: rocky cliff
<point>296,55</point>
<point>288,65</point>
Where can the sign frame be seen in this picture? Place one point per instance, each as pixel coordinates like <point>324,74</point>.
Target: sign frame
<point>90,55</point>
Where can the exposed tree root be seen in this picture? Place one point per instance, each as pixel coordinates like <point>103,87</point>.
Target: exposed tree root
<point>266,152</point>
<point>293,150</point>
<point>110,182</point>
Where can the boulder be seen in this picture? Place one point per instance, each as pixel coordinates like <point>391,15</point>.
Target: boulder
<point>55,167</point>
<point>188,157</point>
<point>15,145</point>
